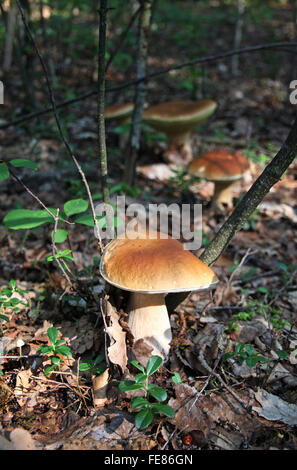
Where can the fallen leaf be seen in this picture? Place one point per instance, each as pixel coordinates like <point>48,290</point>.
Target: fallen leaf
<point>275,409</point>
<point>117,351</point>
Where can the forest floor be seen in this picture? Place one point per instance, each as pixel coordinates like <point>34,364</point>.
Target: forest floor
<point>250,401</point>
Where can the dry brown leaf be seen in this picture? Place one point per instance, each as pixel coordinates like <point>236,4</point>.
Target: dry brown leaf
<point>117,351</point>
<point>22,387</point>
<point>158,171</point>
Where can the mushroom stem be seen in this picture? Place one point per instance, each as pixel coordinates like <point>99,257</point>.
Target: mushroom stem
<point>148,320</point>
<point>179,149</point>
<point>223,194</point>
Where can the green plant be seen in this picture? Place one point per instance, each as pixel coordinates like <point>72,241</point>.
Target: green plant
<point>147,409</point>
<point>57,351</point>
<point>181,181</point>
<point>236,317</point>
<point>8,301</point>
<point>270,313</point>
<point>93,366</point>
<point>245,353</point>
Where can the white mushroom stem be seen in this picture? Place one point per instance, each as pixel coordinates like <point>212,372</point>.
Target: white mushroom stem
<point>148,320</point>
<point>179,149</point>
<point>223,194</point>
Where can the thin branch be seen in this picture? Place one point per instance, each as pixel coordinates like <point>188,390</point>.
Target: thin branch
<point>212,58</point>
<point>101,99</point>
<point>122,38</point>
<point>36,197</point>
<point>54,250</point>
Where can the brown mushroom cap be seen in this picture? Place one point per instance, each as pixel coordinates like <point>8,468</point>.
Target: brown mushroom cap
<point>219,165</point>
<point>178,115</point>
<point>154,266</point>
<point>115,111</point>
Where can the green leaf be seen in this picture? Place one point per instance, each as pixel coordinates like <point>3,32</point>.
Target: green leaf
<point>25,218</point>
<point>87,219</point>
<point>56,360</point>
<point>139,402</point>
<point>99,359</point>
<point>44,350</point>
<point>129,385</point>
<point>22,162</point>
<point>251,361</point>
<point>176,378</point>
<point>49,369</point>
<point>75,206</point>
<point>61,235</point>
<point>143,419</point>
<point>153,364</point>
<point>263,290</point>
<point>140,378</point>
<point>164,409</point>
<point>282,354</point>
<point>249,349</point>
<point>138,366</point>
<point>63,350</point>
<point>157,392</point>
<point>52,333</point>
<point>4,172</point>
<point>4,317</point>
<point>85,366</point>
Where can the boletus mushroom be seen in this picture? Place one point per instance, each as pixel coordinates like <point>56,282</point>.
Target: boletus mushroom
<point>119,112</point>
<point>178,119</point>
<point>150,269</point>
<point>224,169</point>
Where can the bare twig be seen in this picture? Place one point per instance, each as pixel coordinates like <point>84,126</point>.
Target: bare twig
<point>54,250</point>
<point>36,197</point>
<point>122,38</point>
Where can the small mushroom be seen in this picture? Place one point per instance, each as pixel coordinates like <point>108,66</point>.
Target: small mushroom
<point>224,169</point>
<point>177,119</point>
<point>150,268</point>
<point>119,112</point>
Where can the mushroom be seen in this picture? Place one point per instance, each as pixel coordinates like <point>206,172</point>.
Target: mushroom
<point>150,268</point>
<point>177,119</point>
<point>223,168</point>
<point>121,114</point>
